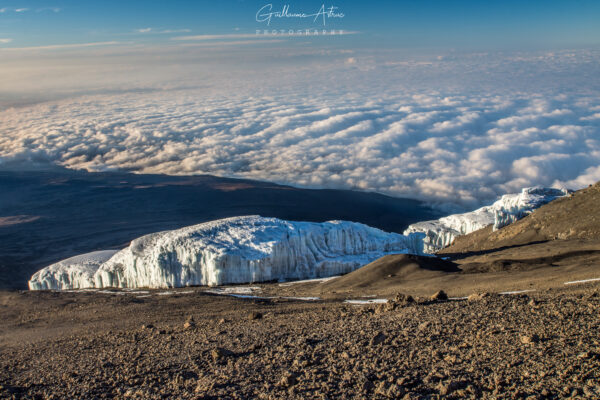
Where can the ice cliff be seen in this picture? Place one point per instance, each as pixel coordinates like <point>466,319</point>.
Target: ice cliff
<point>73,273</point>
<point>232,250</point>
<point>510,208</point>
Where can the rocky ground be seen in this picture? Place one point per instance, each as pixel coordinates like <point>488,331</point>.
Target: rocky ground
<point>190,344</point>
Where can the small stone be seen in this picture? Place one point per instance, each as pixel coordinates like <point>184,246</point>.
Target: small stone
<point>363,383</point>
<point>381,389</point>
<point>189,323</point>
<point>147,326</point>
<point>424,325</point>
<point>477,296</point>
<point>288,379</point>
<point>584,355</point>
<point>220,353</point>
<point>533,303</point>
<point>449,387</point>
<point>222,321</point>
<point>254,315</point>
<point>403,299</point>
<point>378,339</point>
<point>394,391</point>
<point>529,339</point>
<point>441,295</point>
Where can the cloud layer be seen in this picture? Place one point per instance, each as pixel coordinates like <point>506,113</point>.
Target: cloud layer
<point>446,145</point>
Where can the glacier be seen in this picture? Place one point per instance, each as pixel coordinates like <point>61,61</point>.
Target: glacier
<point>508,209</point>
<point>258,249</point>
<point>229,251</point>
<point>73,273</point>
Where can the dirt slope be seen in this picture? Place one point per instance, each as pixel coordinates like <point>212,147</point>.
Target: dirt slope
<point>389,272</point>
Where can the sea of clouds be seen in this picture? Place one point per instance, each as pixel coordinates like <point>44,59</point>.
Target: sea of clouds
<point>455,129</point>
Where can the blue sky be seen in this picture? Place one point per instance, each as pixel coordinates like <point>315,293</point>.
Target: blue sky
<point>466,24</point>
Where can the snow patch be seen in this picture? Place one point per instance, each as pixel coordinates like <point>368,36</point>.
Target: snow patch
<point>518,291</point>
<point>320,280</point>
<point>234,290</point>
<point>582,281</point>
<point>363,302</point>
<point>301,298</point>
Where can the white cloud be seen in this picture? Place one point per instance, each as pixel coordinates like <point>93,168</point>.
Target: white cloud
<point>263,34</point>
<point>17,10</point>
<point>175,31</point>
<point>162,31</point>
<point>319,142</point>
<point>53,9</point>
<point>231,43</point>
<point>22,10</point>
<point>61,46</point>
<point>5,40</point>
<point>307,118</point>
<point>218,37</point>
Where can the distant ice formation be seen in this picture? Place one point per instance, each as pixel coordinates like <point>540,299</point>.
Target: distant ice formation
<point>510,208</point>
<point>257,249</point>
<point>73,273</point>
<point>228,251</point>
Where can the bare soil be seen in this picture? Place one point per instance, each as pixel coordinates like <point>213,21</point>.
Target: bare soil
<point>187,343</point>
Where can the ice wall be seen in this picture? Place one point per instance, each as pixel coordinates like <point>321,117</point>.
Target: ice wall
<point>508,209</point>
<point>233,250</point>
<point>73,273</point>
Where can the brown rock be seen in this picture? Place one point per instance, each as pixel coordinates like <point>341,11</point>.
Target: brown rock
<point>529,339</point>
<point>288,379</point>
<point>219,353</point>
<point>477,296</point>
<point>448,387</point>
<point>584,355</point>
<point>378,339</point>
<point>189,323</point>
<point>402,298</point>
<point>254,315</point>
<point>441,295</point>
